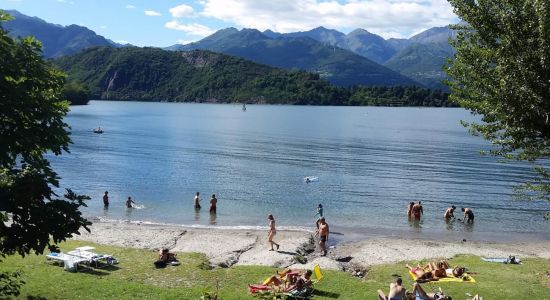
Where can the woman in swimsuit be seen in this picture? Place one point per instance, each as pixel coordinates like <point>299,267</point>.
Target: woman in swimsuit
<point>271,233</point>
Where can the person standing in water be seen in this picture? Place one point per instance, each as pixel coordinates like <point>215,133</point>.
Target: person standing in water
<point>197,201</point>
<point>468,215</point>
<point>449,213</point>
<point>319,213</point>
<point>410,210</point>
<point>213,203</point>
<point>323,235</point>
<point>129,202</point>
<point>106,199</point>
<point>271,233</point>
<point>417,211</point>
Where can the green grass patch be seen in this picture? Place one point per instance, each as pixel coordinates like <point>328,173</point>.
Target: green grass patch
<point>136,277</point>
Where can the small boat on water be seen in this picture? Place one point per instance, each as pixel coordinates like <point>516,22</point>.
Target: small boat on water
<point>98,130</point>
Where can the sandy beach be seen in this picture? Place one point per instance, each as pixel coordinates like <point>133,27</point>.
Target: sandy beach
<point>228,247</point>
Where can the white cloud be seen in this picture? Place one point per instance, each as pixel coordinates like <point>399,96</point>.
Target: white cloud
<point>378,16</point>
<point>103,26</point>
<point>152,13</point>
<point>182,11</point>
<point>122,42</point>
<point>191,29</point>
<point>185,42</point>
<point>130,6</point>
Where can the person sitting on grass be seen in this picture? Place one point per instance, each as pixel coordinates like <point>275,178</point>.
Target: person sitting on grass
<point>165,258</point>
<point>397,291</point>
<point>420,294</point>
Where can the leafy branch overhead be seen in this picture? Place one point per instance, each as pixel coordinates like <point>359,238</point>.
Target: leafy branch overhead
<point>501,71</point>
<point>31,124</point>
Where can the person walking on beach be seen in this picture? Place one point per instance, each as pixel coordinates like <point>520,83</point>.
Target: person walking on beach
<point>468,215</point>
<point>129,202</point>
<point>449,213</point>
<point>323,235</point>
<point>417,211</point>
<point>197,201</point>
<point>410,210</point>
<point>213,203</point>
<point>319,213</point>
<point>271,233</point>
<point>106,199</point>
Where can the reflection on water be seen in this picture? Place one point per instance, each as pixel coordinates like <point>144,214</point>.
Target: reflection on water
<point>197,214</point>
<point>213,218</point>
<point>415,225</point>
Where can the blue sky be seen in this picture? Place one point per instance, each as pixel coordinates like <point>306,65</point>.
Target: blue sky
<point>167,22</point>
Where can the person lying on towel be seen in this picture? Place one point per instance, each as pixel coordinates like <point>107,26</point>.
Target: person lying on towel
<point>434,271</point>
<point>293,281</point>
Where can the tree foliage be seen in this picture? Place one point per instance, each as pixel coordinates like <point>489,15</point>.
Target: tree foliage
<point>32,216</point>
<point>201,76</point>
<point>502,72</point>
<point>76,92</point>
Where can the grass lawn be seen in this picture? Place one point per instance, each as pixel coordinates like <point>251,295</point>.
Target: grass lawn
<point>136,277</point>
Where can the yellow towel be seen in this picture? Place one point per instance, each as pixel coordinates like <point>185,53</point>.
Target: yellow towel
<point>465,278</point>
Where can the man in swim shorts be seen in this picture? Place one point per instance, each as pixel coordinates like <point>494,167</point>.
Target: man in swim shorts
<point>323,235</point>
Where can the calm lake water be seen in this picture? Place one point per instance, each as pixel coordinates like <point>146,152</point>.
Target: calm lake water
<point>370,162</point>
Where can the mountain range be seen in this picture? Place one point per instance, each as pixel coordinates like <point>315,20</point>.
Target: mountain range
<point>356,58</point>
<point>56,40</point>
<point>153,74</point>
<point>339,66</point>
<point>420,58</point>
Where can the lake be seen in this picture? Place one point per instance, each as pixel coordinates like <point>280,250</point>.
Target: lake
<point>370,163</point>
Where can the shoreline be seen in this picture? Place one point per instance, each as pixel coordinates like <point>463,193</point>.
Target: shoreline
<point>228,247</point>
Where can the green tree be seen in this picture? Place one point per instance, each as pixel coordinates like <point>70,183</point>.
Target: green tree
<point>76,93</point>
<point>32,216</point>
<point>501,71</point>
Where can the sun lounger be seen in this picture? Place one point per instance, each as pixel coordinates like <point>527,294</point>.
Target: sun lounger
<point>94,258</point>
<point>70,262</point>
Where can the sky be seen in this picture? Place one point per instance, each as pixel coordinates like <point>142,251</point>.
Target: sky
<point>163,23</point>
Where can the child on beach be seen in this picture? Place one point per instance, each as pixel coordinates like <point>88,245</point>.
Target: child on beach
<point>319,213</point>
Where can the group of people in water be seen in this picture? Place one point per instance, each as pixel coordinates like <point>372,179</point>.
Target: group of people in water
<point>129,202</point>
<point>213,203</point>
<point>415,213</point>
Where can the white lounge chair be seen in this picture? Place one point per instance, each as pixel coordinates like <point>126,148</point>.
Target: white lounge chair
<point>94,258</point>
<point>70,262</point>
